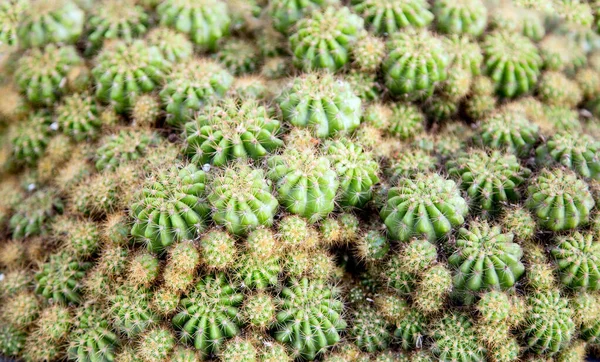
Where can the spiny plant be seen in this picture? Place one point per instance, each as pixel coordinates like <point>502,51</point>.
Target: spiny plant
<point>21,310</point>
<point>405,121</point>
<point>209,314</point>
<point>460,17</point>
<point>555,89</point>
<point>175,47</point>
<point>368,53</point>
<point>239,349</point>
<point>365,85</point>
<point>232,129</point>
<point>60,278</point>
<point>322,103</point>
<point>520,222</point>
<point>156,345</point>
<point>411,329</point>
<point>559,54</point>
<point>146,111</point>
<point>494,307</point>
<point>259,310</point>
<point>578,258</point>
<point>464,54</point>
<point>11,13</point>
<point>372,246</point>
<point>170,207</point>
<point>309,317</point>
<point>130,309</point>
<point>286,13</point>
<point>250,87</point>
<point>389,16</point>
<point>508,130</point>
<point>217,250</point>
<point>432,289</point>
<point>30,138</point>
<point>206,21</point>
<point>559,200</point>
<point>454,339</point>
<point>369,330</point>
<point>323,39</point>
<point>579,152</point>
<point>239,56</point>
<point>127,145</point>
<point>92,338</point>
<point>34,215</point>
<point>12,340</point>
<point>191,85</point>
<point>45,22</point>
<point>79,117</point>
<point>426,205</point>
<point>81,238</point>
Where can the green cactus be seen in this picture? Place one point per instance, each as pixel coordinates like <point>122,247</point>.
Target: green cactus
<point>456,88</point>
<point>182,354</point>
<point>578,152</point>
<point>588,82</point>
<point>130,310</point>
<point>555,89</point>
<point>113,260</point>
<point>559,200</point>
<point>250,87</point>
<point>372,246</point>
<point>79,117</point>
<point>259,310</point>
<point>286,13</point>
<point>259,273</point>
<point>81,237</point>
<point>460,17</point>
<point>231,130</point>
<point>411,329</point>
<point>239,56</point>
<point>432,290</point>
<point>12,341</point>
<point>323,40</point>
<point>513,63</point>
<point>365,85</point>
<point>406,121</point>
<point>125,70</point>
<point>411,162</point>
<point>239,350</point>
<point>209,314</point>
<point>559,54</point>
<point>369,330</point>
<point>454,339</point>
<point>494,307</point>
<point>491,179</point>
<point>427,205</point>
<point>560,119</point>
<point>156,345</point>
<point>60,278</point>
<point>92,338</point>
<point>388,16</point>
<point>464,54</point>
<point>206,21</point>
<point>550,326</point>
<point>174,47</point>
<point>146,111</point>
<point>321,102</point>
<point>30,139</point>
<point>14,282</point>
<point>415,64</point>
<point>217,249</point>
<point>441,108</point>
<point>368,53</point>
<point>509,130</point>
<point>34,215</point>
<point>11,14</point>
<point>20,310</point>
<point>485,258</point>
<point>50,21</point>
<point>309,317</point>
<point>127,145</point>
<point>578,259</point>
<point>520,222</point>
<point>417,255</point>
<point>165,301</point>
<point>170,207</point>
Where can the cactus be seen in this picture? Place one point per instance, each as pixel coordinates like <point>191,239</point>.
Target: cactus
<point>454,340</point>
<point>368,53</point>
<point>364,85</point>
<point>559,200</point>
<point>372,246</point>
<point>12,255</point>
<point>322,103</point>
<point>146,111</point>
<point>231,130</point>
<point>59,279</point>
<point>239,350</point>
<point>508,130</point>
<point>432,289</point>
<point>49,21</point>
<point>258,272</point>
<point>217,250</point>
<point>209,314</point>
<point>30,139</point>
<point>461,17</point>
<point>11,14</point>
<point>410,163</point>
<point>520,222</point>
<point>415,64</point>
<point>113,260</point>
<point>79,117</point>
<point>559,54</point>
<point>494,307</point>
<point>259,311</point>
<point>313,48</point>
<point>417,255</point>
<point>34,215</point>
<point>156,345</point>
<point>406,121</point>
<point>250,87</point>
<point>559,119</point>
<point>131,311</point>
<point>369,330</point>
<point>20,310</point>
<point>549,326</point>
<point>174,47</point>
<point>578,259</point>
<point>456,87</point>
<point>555,89</point>
<point>513,63</point>
<point>239,56</point>
<point>309,317</point>
<point>15,282</point>
<point>411,329</point>
<point>124,146</point>
<point>165,301</point>
<point>391,307</point>
<point>206,21</point>
<point>427,205</point>
<point>576,152</point>
<point>465,55</point>
<point>81,237</point>
<point>12,341</point>
<point>126,70</point>
<point>490,178</point>
<point>91,337</point>
<point>389,16</point>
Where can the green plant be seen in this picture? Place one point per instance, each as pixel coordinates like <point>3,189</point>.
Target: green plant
<point>239,56</point>
<point>34,215</point>
<point>79,117</point>
<point>389,16</point>
<point>426,205</point>
<point>578,152</point>
<point>461,17</point>
<point>145,111</point>
<point>12,340</point>
<point>259,310</point>
<point>417,255</point>
<point>555,89</point>
<point>558,53</point>
<point>411,329</point>
<point>494,307</point>
<point>60,278</point>
<point>432,289</point>
<point>127,145</point>
<point>30,138</point>
<point>405,121</point>
<point>323,40</point>
<point>286,13</point>
<point>217,250</point>
<point>259,272</point>
<point>175,47</point>
<point>454,339</point>
<point>92,338</point>
<point>48,22</point>
<point>20,310</point>
<point>156,345</point>
<point>578,259</point>
<point>239,350</point>
<point>368,53</point>
<point>549,324</point>
<point>130,309</point>
<point>372,246</point>
<point>11,13</point>
<point>559,200</point>
<point>508,130</point>
<point>81,238</point>
<point>520,222</point>
<point>369,330</point>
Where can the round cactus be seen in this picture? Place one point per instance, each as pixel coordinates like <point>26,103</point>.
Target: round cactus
<point>34,215</point>
<point>59,279</point>
<point>20,310</point>
<point>92,338</point>
<point>81,237</point>
<point>559,200</point>
<point>555,89</point>
<point>79,117</point>
<point>131,311</point>
<point>175,47</point>
<point>389,16</point>
<point>558,53</point>
<point>557,119</point>
<point>509,130</point>
<point>231,130</point>
<point>145,112</point>
<point>259,311</point>
<point>427,205</point>
<point>206,21</point>
<point>432,290</point>
<point>323,40</point>
<point>460,17</point>
<point>309,317</point>
<point>170,207</point>
<point>550,326</point>
<point>239,350</point>
<point>11,14</point>
<point>48,21</point>
<point>411,329</point>
<point>410,163</point>
<point>209,314</point>
<point>465,55</point>
<point>578,152</point>
<point>126,70</point>
<point>364,85</point>
<point>116,20</point>
<point>494,307</point>
<point>14,282</point>
<point>369,330</point>
<point>321,102</point>
<point>486,258</point>
<point>372,246</point>
<point>415,64</point>
<point>239,56</point>
<point>454,340</point>
<point>41,73</point>
<point>406,121</point>
<point>513,63</point>
<point>124,146</point>
<point>368,53</point>
<point>217,250</point>
<point>286,13</point>
<point>12,340</point>
<point>520,222</point>
<point>490,178</point>
<point>417,255</point>
<point>578,259</point>
<point>156,345</point>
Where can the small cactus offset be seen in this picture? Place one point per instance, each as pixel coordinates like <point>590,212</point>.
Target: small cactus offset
<point>122,147</point>
<point>578,259</point>
<point>461,17</point>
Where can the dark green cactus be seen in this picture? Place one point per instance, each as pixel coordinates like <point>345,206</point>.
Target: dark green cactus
<point>79,117</point>
<point>175,47</point>
<point>369,330</point>
<point>127,145</point>
<point>508,130</point>
<point>34,215</point>
<point>549,326</point>
<point>60,278</point>
<point>460,17</point>
<point>578,259</point>
<point>92,338</point>
<point>454,339</point>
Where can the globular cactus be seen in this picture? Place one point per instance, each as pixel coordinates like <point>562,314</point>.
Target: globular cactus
<point>432,289</point>
<point>441,108</point>
<point>239,350</point>
<point>391,307</point>
<point>369,330</point>
<point>507,351</point>
<point>113,260</point>
<point>520,222</point>
<point>417,255</point>
<point>49,21</point>
<point>508,130</point>
<point>92,338</point>
<point>60,278</point>
<point>257,272</point>
<point>389,16</point>
<point>13,255</point>
<point>11,13</point>
<point>485,258</point>
<point>80,238</point>
<point>78,116</point>
<point>410,162</point>
<point>494,307</point>
<point>559,200</point>
<point>559,53</point>
<point>578,259</point>
<point>259,310</point>
<point>356,169</point>
<point>579,152</point>
<point>231,130</point>
<point>513,63</point>
<point>286,13</point>
<point>491,179</point>
<point>34,215</point>
<point>146,111</point>
<point>313,48</point>
<point>29,139</point>
<point>555,89</point>
<point>426,205</point>
<point>322,103</point>
<point>239,56</point>
<point>12,340</point>
<point>549,326</point>
<point>206,21</point>
<point>130,310</point>
<point>464,55</point>
<point>405,121</point>
<point>372,246</point>
<point>454,339</point>
<point>175,47</point>
<point>126,70</point>
<point>15,282</point>
<point>20,310</point>
<point>209,314</point>
<point>415,65</point>
<point>261,243</point>
<point>588,82</point>
<point>217,250</point>
<point>294,232</point>
<point>183,354</point>
<point>455,88</point>
<point>156,345</point>
<point>165,302</point>
<point>250,87</point>
<point>309,317</point>
<point>127,145</point>
<point>365,85</point>
<point>368,53</point>
<point>460,17</point>
<point>558,119</point>
<point>143,269</point>
<point>411,329</point>
<point>96,195</point>
<point>115,19</point>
